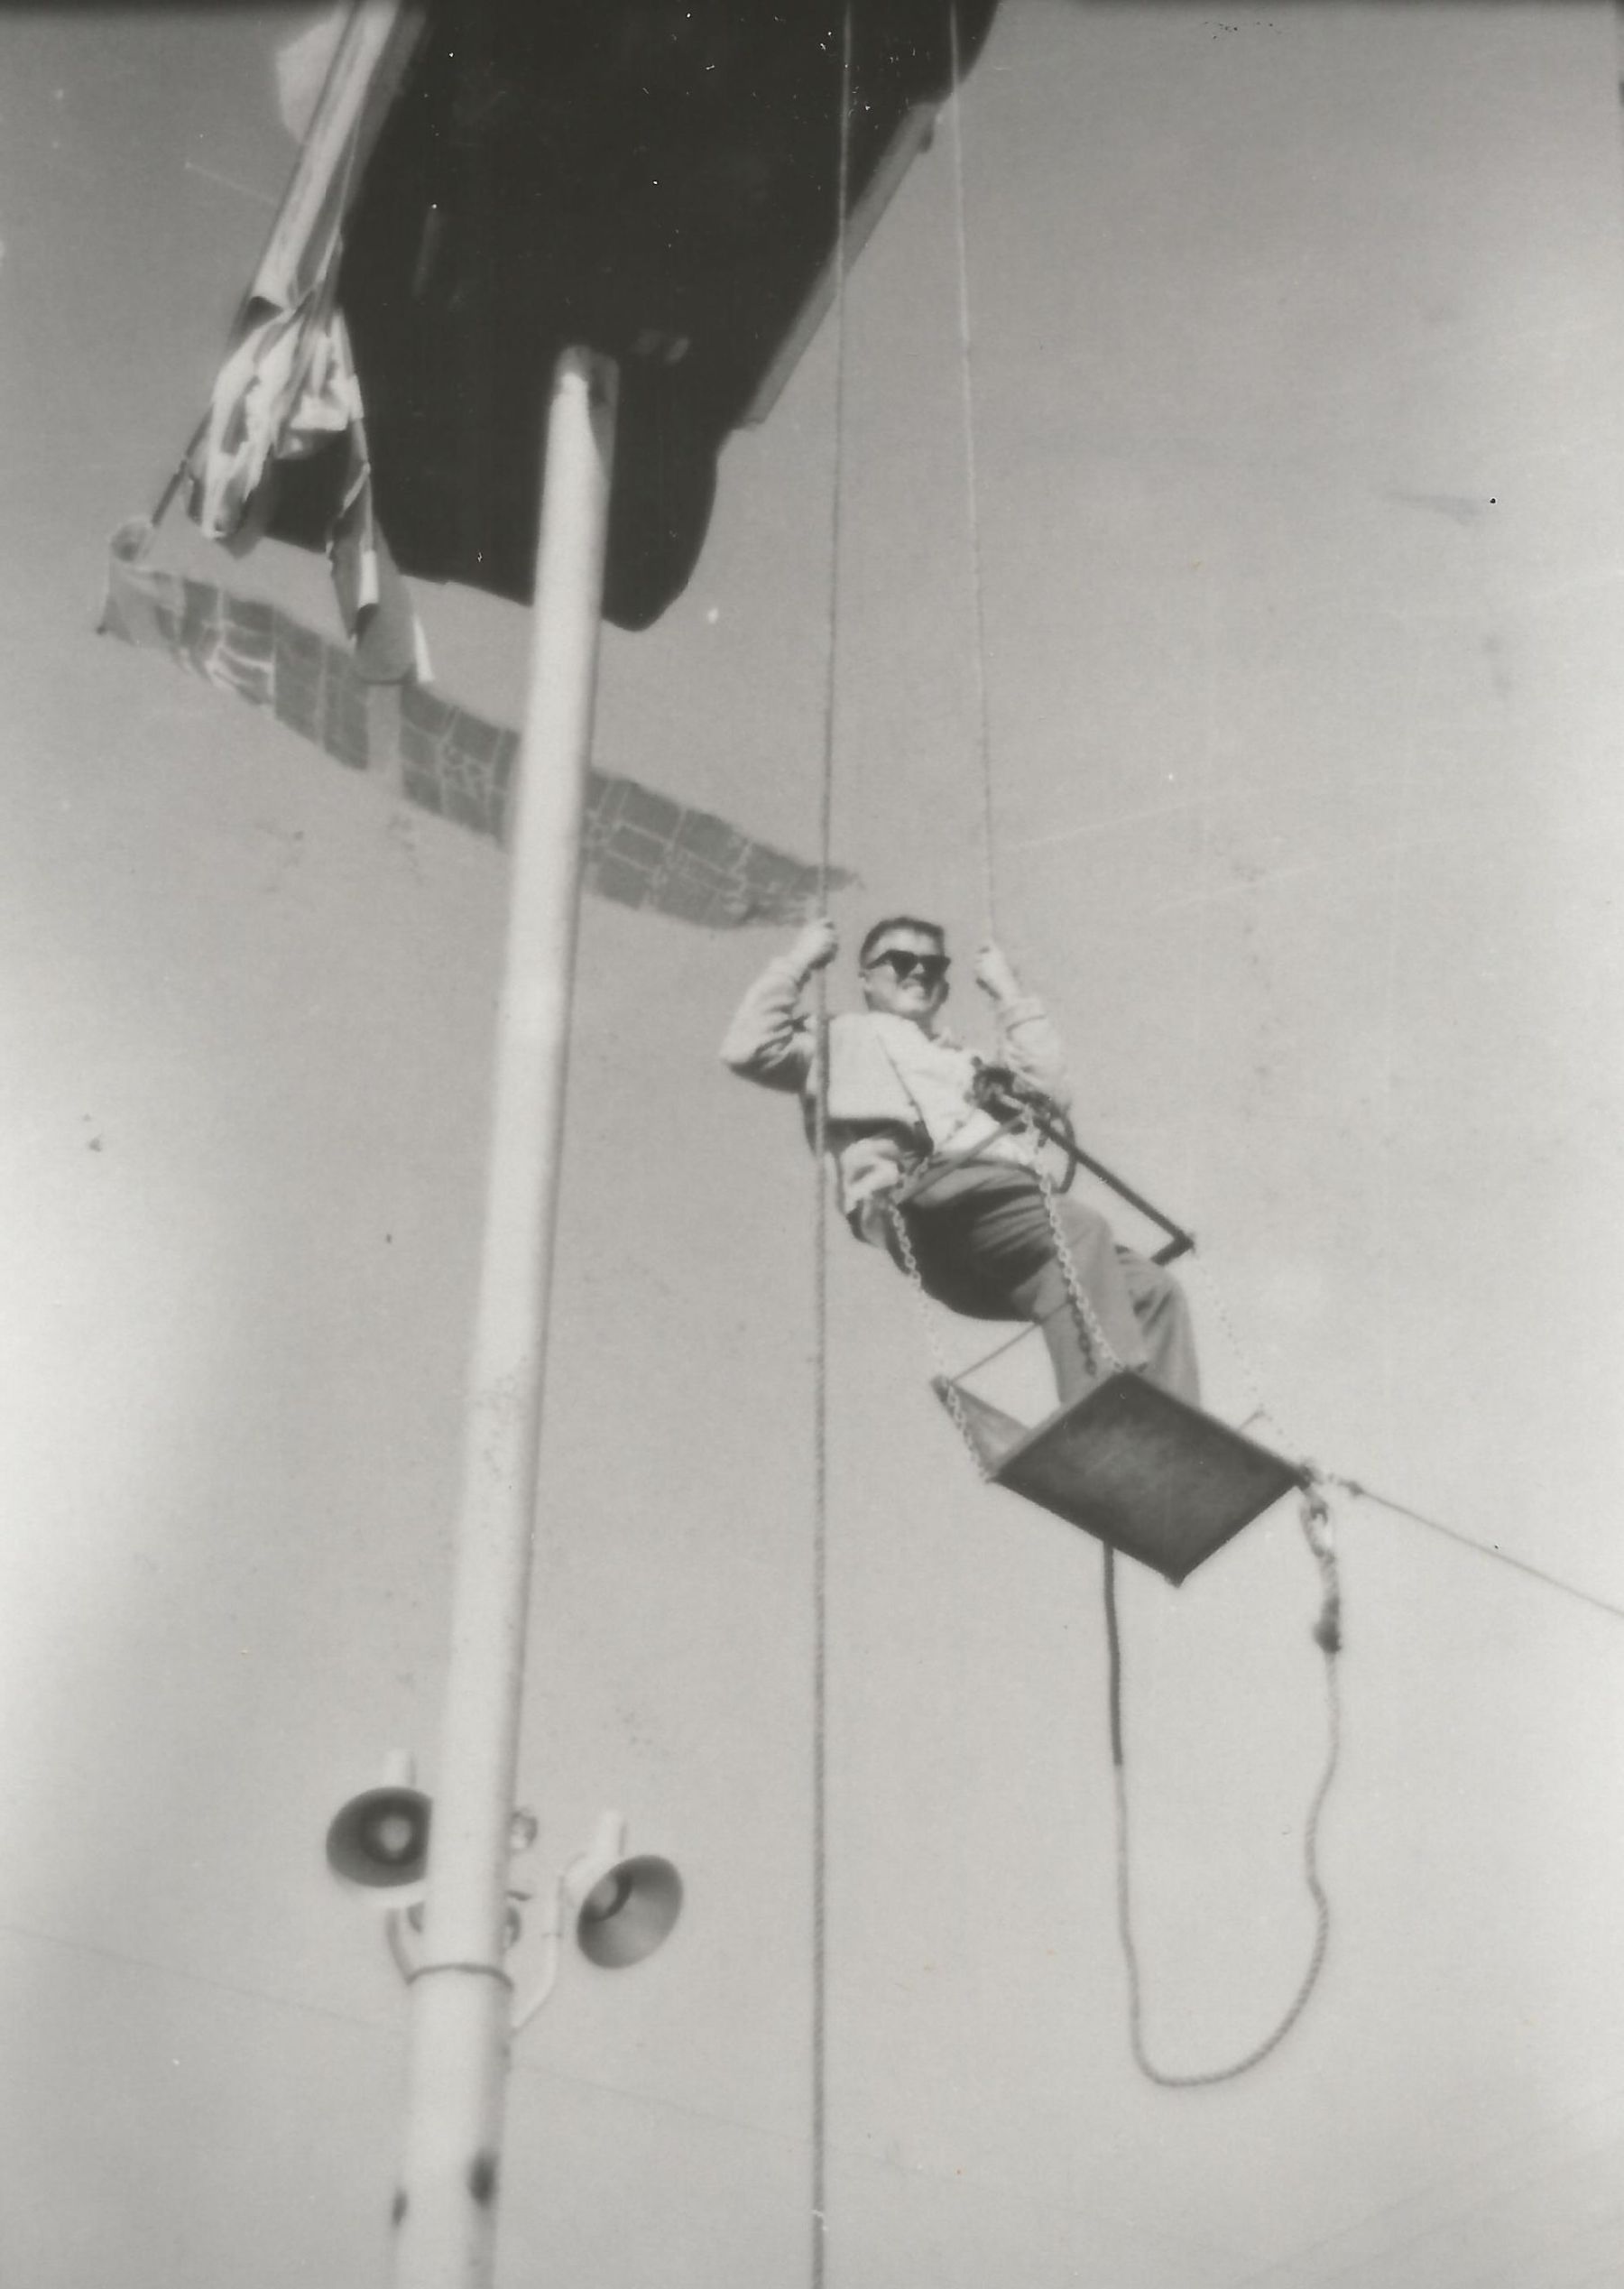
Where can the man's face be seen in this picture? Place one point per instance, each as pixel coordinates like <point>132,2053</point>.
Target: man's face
<point>905,975</point>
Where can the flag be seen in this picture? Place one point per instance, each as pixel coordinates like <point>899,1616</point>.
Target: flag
<point>642,848</point>
<point>289,388</point>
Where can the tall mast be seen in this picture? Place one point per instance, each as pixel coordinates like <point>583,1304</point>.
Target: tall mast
<point>461,1998</point>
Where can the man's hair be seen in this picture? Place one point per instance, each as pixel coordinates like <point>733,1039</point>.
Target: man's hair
<point>899,922</point>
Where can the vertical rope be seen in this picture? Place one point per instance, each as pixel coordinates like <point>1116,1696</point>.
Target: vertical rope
<point>1113,1642</point>
<point>820,1238</point>
<point>820,1637</point>
<point>972,489</point>
<point>832,661</point>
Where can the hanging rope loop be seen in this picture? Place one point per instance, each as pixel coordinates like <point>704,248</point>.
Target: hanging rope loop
<point>945,1382</point>
<point>1099,1357</point>
<point>1318,1533</point>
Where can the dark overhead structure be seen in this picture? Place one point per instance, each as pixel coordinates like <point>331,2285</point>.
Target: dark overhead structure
<point>654,180</point>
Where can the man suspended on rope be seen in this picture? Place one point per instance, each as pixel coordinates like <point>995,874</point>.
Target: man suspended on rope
<point>901,1116</point>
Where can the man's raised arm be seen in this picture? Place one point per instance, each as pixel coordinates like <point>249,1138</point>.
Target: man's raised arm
<point>1027,1040</point>
<point>770,1040</point>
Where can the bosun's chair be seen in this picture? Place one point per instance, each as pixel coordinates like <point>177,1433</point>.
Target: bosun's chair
<point>1146,1472</point>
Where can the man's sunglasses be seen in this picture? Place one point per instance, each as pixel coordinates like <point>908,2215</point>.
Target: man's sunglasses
<point>931,968</point>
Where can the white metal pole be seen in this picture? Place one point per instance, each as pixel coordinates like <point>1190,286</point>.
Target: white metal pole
<point>461,1998</point>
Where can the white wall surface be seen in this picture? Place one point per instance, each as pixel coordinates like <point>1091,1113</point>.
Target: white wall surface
<point>1299,343</point>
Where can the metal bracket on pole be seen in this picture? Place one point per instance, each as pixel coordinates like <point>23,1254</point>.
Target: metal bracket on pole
<point>618,1911</point>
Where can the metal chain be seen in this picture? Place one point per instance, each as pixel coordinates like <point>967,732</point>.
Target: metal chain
<point>1098,1356</point>
<point>1261,1411</point>
<point>1316,1515</point>
<point>949,1389</point>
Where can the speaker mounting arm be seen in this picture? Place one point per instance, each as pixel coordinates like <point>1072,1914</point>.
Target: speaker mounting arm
<point>619,1909</point>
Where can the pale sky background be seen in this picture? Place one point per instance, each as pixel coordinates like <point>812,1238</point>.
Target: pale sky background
<point>1300,394</point>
